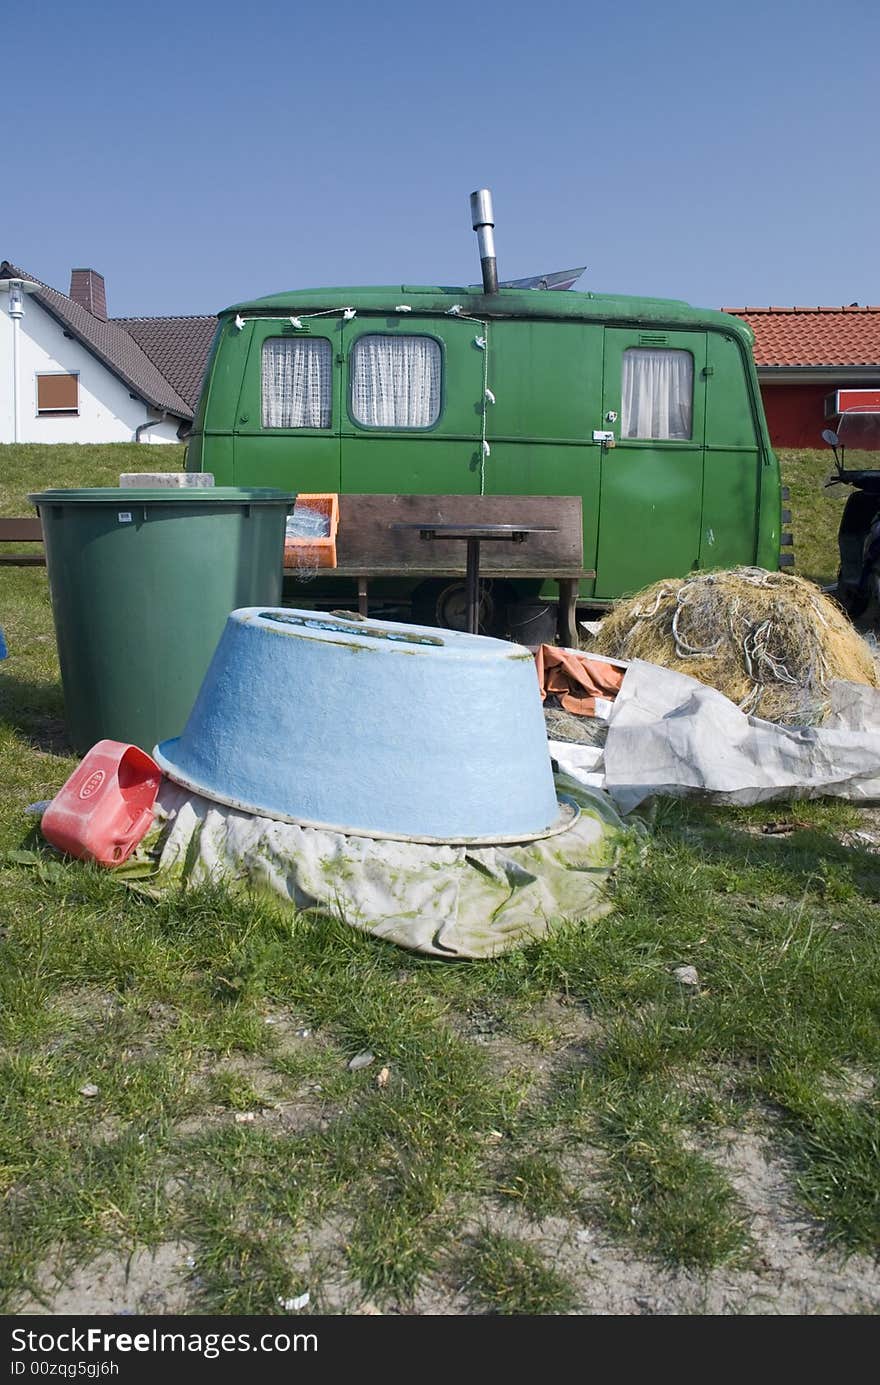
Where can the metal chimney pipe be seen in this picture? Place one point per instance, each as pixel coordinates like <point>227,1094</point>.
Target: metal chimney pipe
<point>483,219</point>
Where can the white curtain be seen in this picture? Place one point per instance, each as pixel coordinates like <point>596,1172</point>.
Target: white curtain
<point>395,381</point>
<point>297,383</point>
<point>657,394</point>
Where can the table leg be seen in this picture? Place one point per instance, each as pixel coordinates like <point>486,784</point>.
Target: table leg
<point>568,594</point>
<point>362,596</point>
<point>473,585</point>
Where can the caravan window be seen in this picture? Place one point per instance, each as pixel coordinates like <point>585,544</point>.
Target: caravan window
<point>396,381</point>
<point>297,383</point>
<point>657,394</point>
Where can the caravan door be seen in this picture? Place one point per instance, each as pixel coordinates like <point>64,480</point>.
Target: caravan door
<point>651,469</point>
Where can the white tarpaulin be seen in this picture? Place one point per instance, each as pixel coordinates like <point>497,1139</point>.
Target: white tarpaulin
<point>669,734</point>
<point>451,901</point>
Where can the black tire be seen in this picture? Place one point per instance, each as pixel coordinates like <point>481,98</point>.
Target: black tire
<point>859,555</point>
<point>853,599</point>
<point>443,603</point>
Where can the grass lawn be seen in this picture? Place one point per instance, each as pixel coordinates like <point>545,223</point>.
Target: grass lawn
<point>815,511</point>
<point>30,467</point>
<point>566,1129</point>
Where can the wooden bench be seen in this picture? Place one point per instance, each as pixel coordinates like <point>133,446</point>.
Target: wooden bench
<point>21,531</point>
<point>369,546</point>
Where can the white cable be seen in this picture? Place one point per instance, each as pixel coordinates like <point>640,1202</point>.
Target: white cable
<point>639,614</point>
<point>347,315</point>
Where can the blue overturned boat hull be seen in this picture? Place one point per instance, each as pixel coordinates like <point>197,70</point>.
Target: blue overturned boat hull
<point>371,728</point>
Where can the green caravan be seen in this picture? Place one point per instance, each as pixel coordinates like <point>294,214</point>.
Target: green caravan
<point>649,409</point>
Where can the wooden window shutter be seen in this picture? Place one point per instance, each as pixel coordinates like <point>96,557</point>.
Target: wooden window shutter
<point>56,393</point>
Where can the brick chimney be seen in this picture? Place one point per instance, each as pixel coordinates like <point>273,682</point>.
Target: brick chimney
<point>87,289</point>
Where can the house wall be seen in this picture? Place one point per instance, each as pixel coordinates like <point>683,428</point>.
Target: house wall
<point>107,412</point>
<point>795,413</point>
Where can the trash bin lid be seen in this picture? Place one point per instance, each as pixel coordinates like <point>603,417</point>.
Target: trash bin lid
<point>185,495</point>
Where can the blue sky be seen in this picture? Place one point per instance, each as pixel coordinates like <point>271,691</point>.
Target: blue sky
<point>197,154</point>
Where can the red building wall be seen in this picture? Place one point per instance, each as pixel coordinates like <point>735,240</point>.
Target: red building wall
<point>796,414</point>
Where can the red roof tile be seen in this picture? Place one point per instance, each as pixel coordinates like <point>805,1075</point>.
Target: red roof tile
<point>848,336</point>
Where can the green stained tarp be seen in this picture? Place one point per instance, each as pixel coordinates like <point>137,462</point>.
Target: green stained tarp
<point>450,901</point>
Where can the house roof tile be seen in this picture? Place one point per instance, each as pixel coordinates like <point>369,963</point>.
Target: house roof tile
<point>178,346</point>
<point>806,336</point>
<point>115,347</point>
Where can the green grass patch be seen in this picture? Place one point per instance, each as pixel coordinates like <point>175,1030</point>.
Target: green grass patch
<point>815,511</point>
<point>133,1031</point>
<point>27,467</point>
<point>537,1183</point>
<point>508,1276</point>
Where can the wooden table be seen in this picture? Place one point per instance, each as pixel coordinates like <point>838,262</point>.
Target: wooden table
<point>378,537</point>
<point>473,535</point>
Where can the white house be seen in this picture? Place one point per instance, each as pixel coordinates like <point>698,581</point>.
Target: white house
<point>68,373</point>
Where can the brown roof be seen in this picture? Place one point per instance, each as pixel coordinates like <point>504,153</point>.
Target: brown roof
<point>178,346</point>
<point>814,336</point>
<point>115,347</point>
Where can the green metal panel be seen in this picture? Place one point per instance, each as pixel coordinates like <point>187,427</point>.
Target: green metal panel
<point>390,463</point>
<point>650,491</point>
<point>442,459</point>
<point>730,505</point>
<point>216,456</point>
<point>223,380</point>
<point>769,513</point>
<point>730,420</point>
<point>210,447</point>
<point>305,459</point>
<point>519,303</point>
<point>547,379</point>
<point>642,503</point>
<point>142,582</point>
<point>533,468</point>
<point>733,456</point>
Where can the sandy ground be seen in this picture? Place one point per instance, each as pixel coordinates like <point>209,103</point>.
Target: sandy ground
<point>791,1274</point>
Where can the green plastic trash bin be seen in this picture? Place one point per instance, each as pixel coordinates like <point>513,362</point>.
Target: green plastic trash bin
<point>142,582</point>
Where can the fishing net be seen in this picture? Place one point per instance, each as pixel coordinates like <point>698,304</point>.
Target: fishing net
<point>301,551</point>
<point>770,641</point>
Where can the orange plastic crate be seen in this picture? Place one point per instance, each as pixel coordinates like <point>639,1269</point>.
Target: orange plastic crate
<point>311,553</point>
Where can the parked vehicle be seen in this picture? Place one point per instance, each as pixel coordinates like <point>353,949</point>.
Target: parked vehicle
<point>858,537</point>
<point>647,408</point>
